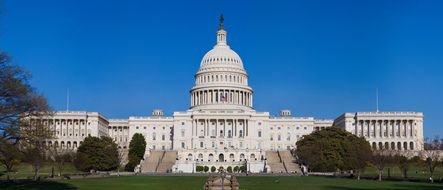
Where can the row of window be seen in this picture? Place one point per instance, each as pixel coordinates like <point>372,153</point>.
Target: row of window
<point>145,127</point>
<point>221,78</point>
<point>212,59</point>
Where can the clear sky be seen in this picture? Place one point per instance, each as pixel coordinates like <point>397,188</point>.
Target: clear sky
<point>317,58</point>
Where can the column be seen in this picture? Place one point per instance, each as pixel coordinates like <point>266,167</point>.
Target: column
<point>216,127</point>
<point>244,127</point>
<point>251,100</point>
<point>224,128</point>
<point>235,127</point>
<point>247,127</point>
<point>207,127</point>
<point>204,127</point>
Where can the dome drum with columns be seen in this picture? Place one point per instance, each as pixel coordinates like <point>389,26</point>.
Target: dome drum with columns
<point>221,82</point>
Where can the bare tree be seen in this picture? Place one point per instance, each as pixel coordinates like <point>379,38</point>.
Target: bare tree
<point>18,103</point>
<point>60,157</point>
<point>18,100</point>
<point>433,154</point>
<point>380,159</point>
<point>122,158</point>
<point>10,157</point>
<point>36,132</point>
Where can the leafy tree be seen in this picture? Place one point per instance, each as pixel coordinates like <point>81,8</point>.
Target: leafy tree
<point>334,149</point>
<point>137,148</point>
<point>97,154</point>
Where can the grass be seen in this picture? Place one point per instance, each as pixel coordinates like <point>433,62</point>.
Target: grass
<point>25,170</point>
<point>196,182</point>
<point>414,172</point>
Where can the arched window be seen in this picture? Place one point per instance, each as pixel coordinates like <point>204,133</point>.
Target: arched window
<point>405,146</point>
<point>411,145</point>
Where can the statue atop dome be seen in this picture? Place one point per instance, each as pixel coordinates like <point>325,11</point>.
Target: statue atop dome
<point>221,25</point>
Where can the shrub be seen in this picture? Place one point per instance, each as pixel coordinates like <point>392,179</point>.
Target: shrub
<point>236,169</point>
<point>242,169</point>
<point>229,169</point>
<point>206,169</point>
<point>199,168</point>
<point>213,169</point>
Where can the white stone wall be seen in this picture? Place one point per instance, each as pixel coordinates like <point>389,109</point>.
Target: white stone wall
<point>391,130</point>
<point>70,128</point>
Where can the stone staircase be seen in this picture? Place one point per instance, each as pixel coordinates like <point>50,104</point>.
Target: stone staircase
<point>289,162</point>
<point>274,161</point>
<point>168,160</point>
<point>159,161</point>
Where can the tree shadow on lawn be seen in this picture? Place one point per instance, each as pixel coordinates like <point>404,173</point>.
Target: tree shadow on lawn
<point>397,186</point>
<point>36,185</point>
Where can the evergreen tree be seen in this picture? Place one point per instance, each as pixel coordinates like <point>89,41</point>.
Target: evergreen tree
<point>137,148</point>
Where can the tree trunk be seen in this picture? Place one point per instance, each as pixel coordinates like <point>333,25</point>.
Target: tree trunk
<point>379,174</point>
<point>36,170</point>
<point>358,175</point>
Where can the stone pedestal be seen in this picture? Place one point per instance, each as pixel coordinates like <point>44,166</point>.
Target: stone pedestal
<point>215,183</point>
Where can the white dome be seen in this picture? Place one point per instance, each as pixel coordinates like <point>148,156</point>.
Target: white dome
<point>221,56</point>
<point>221,82</point>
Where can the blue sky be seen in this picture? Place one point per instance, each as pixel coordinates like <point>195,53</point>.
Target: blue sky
<point>317,58</point>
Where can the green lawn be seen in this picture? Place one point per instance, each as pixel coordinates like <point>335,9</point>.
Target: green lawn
<point>414,171</point>
<point>25,170</point>
<point>193,182</point>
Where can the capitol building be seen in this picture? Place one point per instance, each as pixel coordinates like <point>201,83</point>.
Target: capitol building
<point>221,128</point>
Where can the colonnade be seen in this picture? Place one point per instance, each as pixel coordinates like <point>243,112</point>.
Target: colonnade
<point>224,128</point>
<point>385,128</point>
<point>221,96</point>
